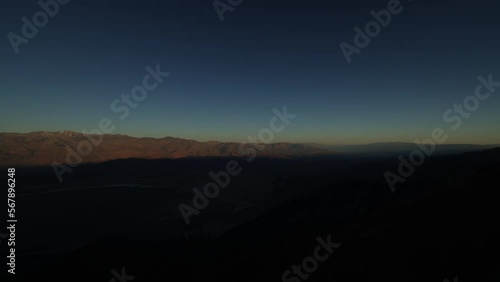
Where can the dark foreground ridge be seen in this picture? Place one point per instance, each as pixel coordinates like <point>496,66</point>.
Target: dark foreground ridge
<point>440,223</point>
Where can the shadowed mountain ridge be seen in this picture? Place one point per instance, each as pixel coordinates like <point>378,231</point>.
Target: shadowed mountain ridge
<point>44,148</point>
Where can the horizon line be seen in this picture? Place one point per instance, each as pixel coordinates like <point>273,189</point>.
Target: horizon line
<point>209,141</point>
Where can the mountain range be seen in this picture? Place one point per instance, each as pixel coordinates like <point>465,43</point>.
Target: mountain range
<point>44,148</point>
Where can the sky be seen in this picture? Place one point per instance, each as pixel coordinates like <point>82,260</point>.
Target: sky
<point>227,76</point>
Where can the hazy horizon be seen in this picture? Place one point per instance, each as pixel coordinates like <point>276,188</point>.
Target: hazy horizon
<point>239,141</point>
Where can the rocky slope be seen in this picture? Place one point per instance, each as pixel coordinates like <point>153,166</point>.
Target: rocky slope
<point>43,148</point>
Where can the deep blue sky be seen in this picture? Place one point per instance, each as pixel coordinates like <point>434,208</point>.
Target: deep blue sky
<point>226,77</point>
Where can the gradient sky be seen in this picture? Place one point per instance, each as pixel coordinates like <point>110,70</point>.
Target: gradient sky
<point>226,77</point>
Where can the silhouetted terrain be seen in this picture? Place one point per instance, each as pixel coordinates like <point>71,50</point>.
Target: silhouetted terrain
<point>442,222</point>
<point>394,148</point>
